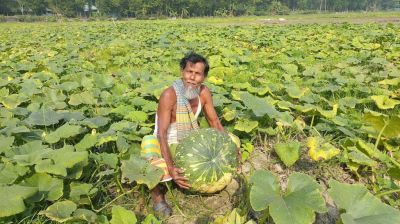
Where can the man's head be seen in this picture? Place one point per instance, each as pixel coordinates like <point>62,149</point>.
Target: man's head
<point>194,58</point>
<point>194,69</point>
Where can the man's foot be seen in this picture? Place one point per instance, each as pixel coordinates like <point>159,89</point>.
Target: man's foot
<point>163,209</point>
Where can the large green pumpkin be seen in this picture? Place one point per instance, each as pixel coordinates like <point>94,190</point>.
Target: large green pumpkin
<point>208,158</point>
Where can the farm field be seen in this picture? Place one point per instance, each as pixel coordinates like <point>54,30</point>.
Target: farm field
<point>315,104</point>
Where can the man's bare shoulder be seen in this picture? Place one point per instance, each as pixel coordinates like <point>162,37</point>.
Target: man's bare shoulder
<point>168,96</point>
<point>205,91</point>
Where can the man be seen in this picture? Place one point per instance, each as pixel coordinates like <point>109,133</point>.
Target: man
<point>177,113</point>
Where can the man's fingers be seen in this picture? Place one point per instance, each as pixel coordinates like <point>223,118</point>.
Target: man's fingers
<point>180,171</point>
<point>182,184</point>
<point>181,178</point>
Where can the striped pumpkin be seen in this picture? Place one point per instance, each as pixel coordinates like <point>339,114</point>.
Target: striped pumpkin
<point>208,158</point>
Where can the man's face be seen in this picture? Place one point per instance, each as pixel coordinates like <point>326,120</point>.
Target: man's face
<point>193,76</point>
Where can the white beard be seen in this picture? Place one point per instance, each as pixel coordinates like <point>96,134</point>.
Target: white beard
<point>192,92</point>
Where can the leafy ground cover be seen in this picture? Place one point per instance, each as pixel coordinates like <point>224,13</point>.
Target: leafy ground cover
<point>312,103</point>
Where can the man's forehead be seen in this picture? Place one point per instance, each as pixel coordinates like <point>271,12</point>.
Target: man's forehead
<point>192,65</point>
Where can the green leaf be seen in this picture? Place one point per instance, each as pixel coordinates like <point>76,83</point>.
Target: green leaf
<point>150,106</point>
<point>360,206</point>
<point>384,102</point>
<point>356,156</point>
<point>110,160</point>
<point>378,121</point>
<point>88,141</point>
<point>44,117</point>
<point>30,153</point>
<point>55,162</point>
<point>295,91</point>
<point>82,98</point>
<point>9,172</point>
<point>392,82</point>
<point>258,105</point>
<point>288,152</point>
<point>63,132</point>
<point>370,150</point>
<point>86,215</point>
<point>95,122</point>
<point>232,217</point>
<point>122,216</point>
<point>246,125</point>
<point>151,219</point>
<point>264,191</point>
<point>6,143</point>
<point>12,101</point>
<point>50,188</point>
<point>136,116</point>
<point>328,113</point>
<point>296,206</point>
<point>78,190</point>
<point>12,199</point>
<point>140,170</point>
<point>60,211</point>
<point>229,115</point>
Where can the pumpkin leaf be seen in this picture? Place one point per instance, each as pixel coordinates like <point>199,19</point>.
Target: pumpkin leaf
<point>6,143</point>
<point>151,219</point>
<point>60,211</point>
<point>232,217</point>
<point>258,105</point>
<point>63,132</point>
<point>140,170</point>
<point>95,122</point>
<point>86,215</point>
<point>328,113</point>
<point>295,206</point>
<point>288,152</point>
<point>384,102</point>
<point>246,125</point>
<point>378,122</point>
<point>360,206</point>
<point>55,162</point>
<point>80,189</point>
<point>318,149</point>
<point>88,141</point>
<point>120,215</point>
<point>44,117</point>
<point>82,98</point>
<point>9,172</point>
<point>12,199</point>
<point>356,156</point>
<point>136,116</point>
<point>50,188</point>
<point>294,91</point>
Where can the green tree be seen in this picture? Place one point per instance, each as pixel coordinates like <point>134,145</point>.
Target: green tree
<point>37,7</point>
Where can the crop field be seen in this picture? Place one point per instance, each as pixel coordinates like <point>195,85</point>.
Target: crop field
<point>316,106</point>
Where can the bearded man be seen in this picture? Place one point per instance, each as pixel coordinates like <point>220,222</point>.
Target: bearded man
<point>178,109</point>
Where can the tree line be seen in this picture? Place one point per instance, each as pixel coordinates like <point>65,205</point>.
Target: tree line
<point>185,8</point>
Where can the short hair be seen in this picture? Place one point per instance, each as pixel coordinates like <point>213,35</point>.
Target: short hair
<point>194,58</point>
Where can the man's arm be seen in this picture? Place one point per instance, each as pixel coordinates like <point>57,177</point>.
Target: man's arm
<point>209,110</point>
<point>164,111</point>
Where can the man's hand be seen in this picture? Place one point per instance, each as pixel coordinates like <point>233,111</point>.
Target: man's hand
<point>178,177</point>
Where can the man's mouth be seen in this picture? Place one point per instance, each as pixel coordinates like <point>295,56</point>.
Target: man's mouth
<point>191,84</point>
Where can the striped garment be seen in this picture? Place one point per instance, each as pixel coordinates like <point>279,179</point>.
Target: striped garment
<point>185,119</point>
<point>152,152</point>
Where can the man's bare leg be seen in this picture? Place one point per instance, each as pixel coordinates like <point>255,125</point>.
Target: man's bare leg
<point>159,203</point>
